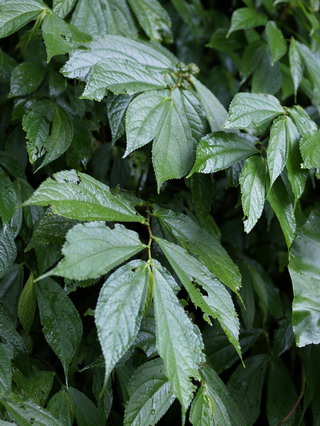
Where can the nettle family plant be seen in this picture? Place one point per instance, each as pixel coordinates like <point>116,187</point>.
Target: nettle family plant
<point>130,290</point>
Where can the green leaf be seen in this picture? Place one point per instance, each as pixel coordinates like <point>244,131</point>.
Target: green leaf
<point>202,409</point>
<point>150,395</point>
<point>302,120</point>
<point>60,320</point>
<point>179,341</point>
<point>62,7</point>
<point>61,407</point>
<point>27,304</point>
<point>277,152</point>
<point>276,41</point>
<point>36,386</point>
<point>119,49</point>
<point>173,146</point>
<point>252,110</point>
<point>26,412</point>
<point>225,411</point>
<point>14,14</point>
<point>77,195</point>
<point>121,76</point>
<point>305,275</point>
<point>282,204</point>
<point>9,335</point>
<point>296,66</point>
<point>8,250</point>
<point>253,190</point>
<point>8,198</point>
<point>245,18</point>
<point>86,413</point>
<point>37,133</point>
<point>281,394</point>
<point>93,249</point>
<point>296,175</point>
<point>145,117</point>
<point>5,370</point>
<point>117,107</point>
<point>26,78</point>
<point>153,18</point>
<point>267,78</point>
<point>119,311</point>
<point>205,291</point>
<point>104,17</point>
<point>203,245</point>
<point>310,150</point>
<point>312,63</point>
<point>245,386</point>
<point>215,111</point>
<point>220,150</point>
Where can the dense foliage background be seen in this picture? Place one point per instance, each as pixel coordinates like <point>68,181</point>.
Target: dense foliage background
<point>173,281</point>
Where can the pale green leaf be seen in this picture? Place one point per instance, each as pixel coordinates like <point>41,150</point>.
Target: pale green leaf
<point>14,14</point>
<point>8,250</point>
<point>26,412</point>
<point>245,386</point>
<point>205,291</point>
<point>220,150</point>
<point>203,245</point>
<point>305,275</point>
<point>302,120</point>
<point>86,413</point>
<point>296,66</point>
<point>245,18</point>
<point>77,195</point>
<point>5,370</point>
<point>153,18</point>
<point>26,78</point>
<point>27,304</point>
<point>296,175</point>
<point>225,410</point>
<point>8,198</point>
<point>104,17</point>
<point>251,110</point>
<point>119,311</point>
<point>150,395</point>
<point>202,409</point>
<point>283,206</point>
<point>276,41</point>
<point>116,110</point>
<point>93,249</point>
<point>60,320</point>
<point>144,118</point>
<point>61,407</point>
<point>310,150</point>
<point>253,190</point>
<point>62,7</point>
<point>179,341</point>
<point>215,111</point>
<point>277,152</point>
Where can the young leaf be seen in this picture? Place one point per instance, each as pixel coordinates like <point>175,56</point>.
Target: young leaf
<point>203,245</point>
<point>27,304</point>
<point>26,78</point>
<point>77,195</point>
<point>253,190</point>
<point>251,110</point>
<point>8,250</point>
<point>225,410</point>
<point>93,249</point>
<point>310,150</point>
<point>150,395</point>
<point>220,150</point>
<point>116,109</point>
<point>119,311</point>
<point>202,409</point>
<point>5,370</point>
<point>276,41</point>
<point>245,18</point>
<point>178,340</point>
<point>62,7</point>
<point>14,14</point>
<point>296,66</point>
<point>60,320</point>
<point>153,18</point>
<point>305,275</point>
<point>205,291</point>
<point>277,152</point>
<point>144,118</point>
<point>86,413</point>
<point>245,386</point>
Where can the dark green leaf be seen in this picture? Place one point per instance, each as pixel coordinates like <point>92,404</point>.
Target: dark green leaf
<point>276,41</point>
<point>26,78</point>
<point>245,18</point>
<point>8,198</point>
<point>86,413</point>
<point>116,109</point>
<point>8,249</point>
<point>27,304</point>
<point>61,407</point>
<point>296,66</point>
<point>5,370</point>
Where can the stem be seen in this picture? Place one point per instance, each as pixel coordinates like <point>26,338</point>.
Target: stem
<point>296,404</point>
